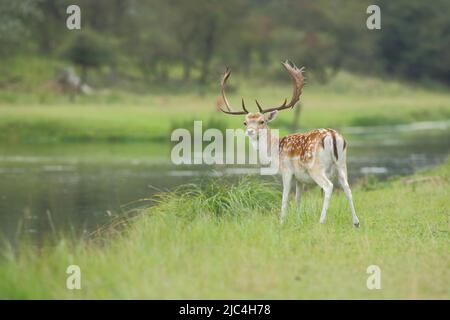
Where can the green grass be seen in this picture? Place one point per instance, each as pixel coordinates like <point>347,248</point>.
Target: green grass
<point>31,112</point>
<point>217,240</point>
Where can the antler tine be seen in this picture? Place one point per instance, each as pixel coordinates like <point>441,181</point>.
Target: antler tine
<point>225,77</point>
<point>243,106</point>
<point>298,81</point>
<point>259,107</point>
<point>224,98</point>
<point>233,112</point>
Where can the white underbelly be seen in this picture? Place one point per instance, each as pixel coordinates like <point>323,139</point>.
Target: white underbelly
<point>303,176</point>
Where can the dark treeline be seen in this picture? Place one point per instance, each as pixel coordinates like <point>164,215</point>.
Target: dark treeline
<point>151,39</point>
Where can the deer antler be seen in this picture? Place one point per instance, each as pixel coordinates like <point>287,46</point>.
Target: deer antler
<point>298,81</point>
<point>222,85</point>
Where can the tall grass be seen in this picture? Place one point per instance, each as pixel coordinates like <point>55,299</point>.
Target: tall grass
<point>223,240</point>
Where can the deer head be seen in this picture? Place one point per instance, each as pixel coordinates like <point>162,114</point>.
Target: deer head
<point>255,122</point>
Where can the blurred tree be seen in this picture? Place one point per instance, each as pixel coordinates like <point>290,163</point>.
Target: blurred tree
<point>165,39</point>
<point>185,25</point>
<point>216,21</point>
<point>48,27</point>
<point>415,41</point>
<point>89,50</point>
<point>15,26</point>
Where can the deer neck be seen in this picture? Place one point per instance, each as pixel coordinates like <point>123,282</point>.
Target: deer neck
<point>268,142</point>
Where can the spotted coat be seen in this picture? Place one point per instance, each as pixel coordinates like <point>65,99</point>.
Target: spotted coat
<point>303,146</point>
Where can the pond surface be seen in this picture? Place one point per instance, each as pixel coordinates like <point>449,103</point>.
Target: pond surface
<point>47,189</point>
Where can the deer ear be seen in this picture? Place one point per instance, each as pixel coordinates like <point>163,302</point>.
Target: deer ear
<point>272,115</point>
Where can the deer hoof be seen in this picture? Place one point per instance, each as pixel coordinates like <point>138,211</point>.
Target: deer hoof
<point>356,224</point>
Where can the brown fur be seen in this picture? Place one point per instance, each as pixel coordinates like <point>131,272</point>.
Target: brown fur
<point>303,145</point>
<point>252,116</point>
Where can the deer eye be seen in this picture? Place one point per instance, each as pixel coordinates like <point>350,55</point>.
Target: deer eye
<point>261,122</point>
<point>245,123</point>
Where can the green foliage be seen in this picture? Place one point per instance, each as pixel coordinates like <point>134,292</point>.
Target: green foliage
<point>197,39</point>
<point>416,39</point>
<point>217,198</point>
<point>90,50</point>
<point>15,29</point>
<point>213,196</point>
<point>347,100</point>
<point>26,74</point>
<point>188,123</point>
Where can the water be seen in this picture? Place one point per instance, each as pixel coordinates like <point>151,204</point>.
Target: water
<point>78,187</point>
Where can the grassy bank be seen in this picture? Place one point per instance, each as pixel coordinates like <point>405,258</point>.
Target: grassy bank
<point>221,241</point>
<point>348,100</point>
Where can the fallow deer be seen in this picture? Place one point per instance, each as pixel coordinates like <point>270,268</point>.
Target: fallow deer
<point>314,156</point>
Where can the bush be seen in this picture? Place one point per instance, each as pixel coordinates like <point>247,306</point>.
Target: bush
<point>90,50</point>
<point>220,198</point>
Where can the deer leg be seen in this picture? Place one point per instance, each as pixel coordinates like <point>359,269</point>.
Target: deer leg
<point>298,193</point>
<point>287,178</point>
<point>322,180</point>
<point>342,173</point>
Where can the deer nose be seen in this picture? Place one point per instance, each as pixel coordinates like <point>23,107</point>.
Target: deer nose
<point>250,131</point>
